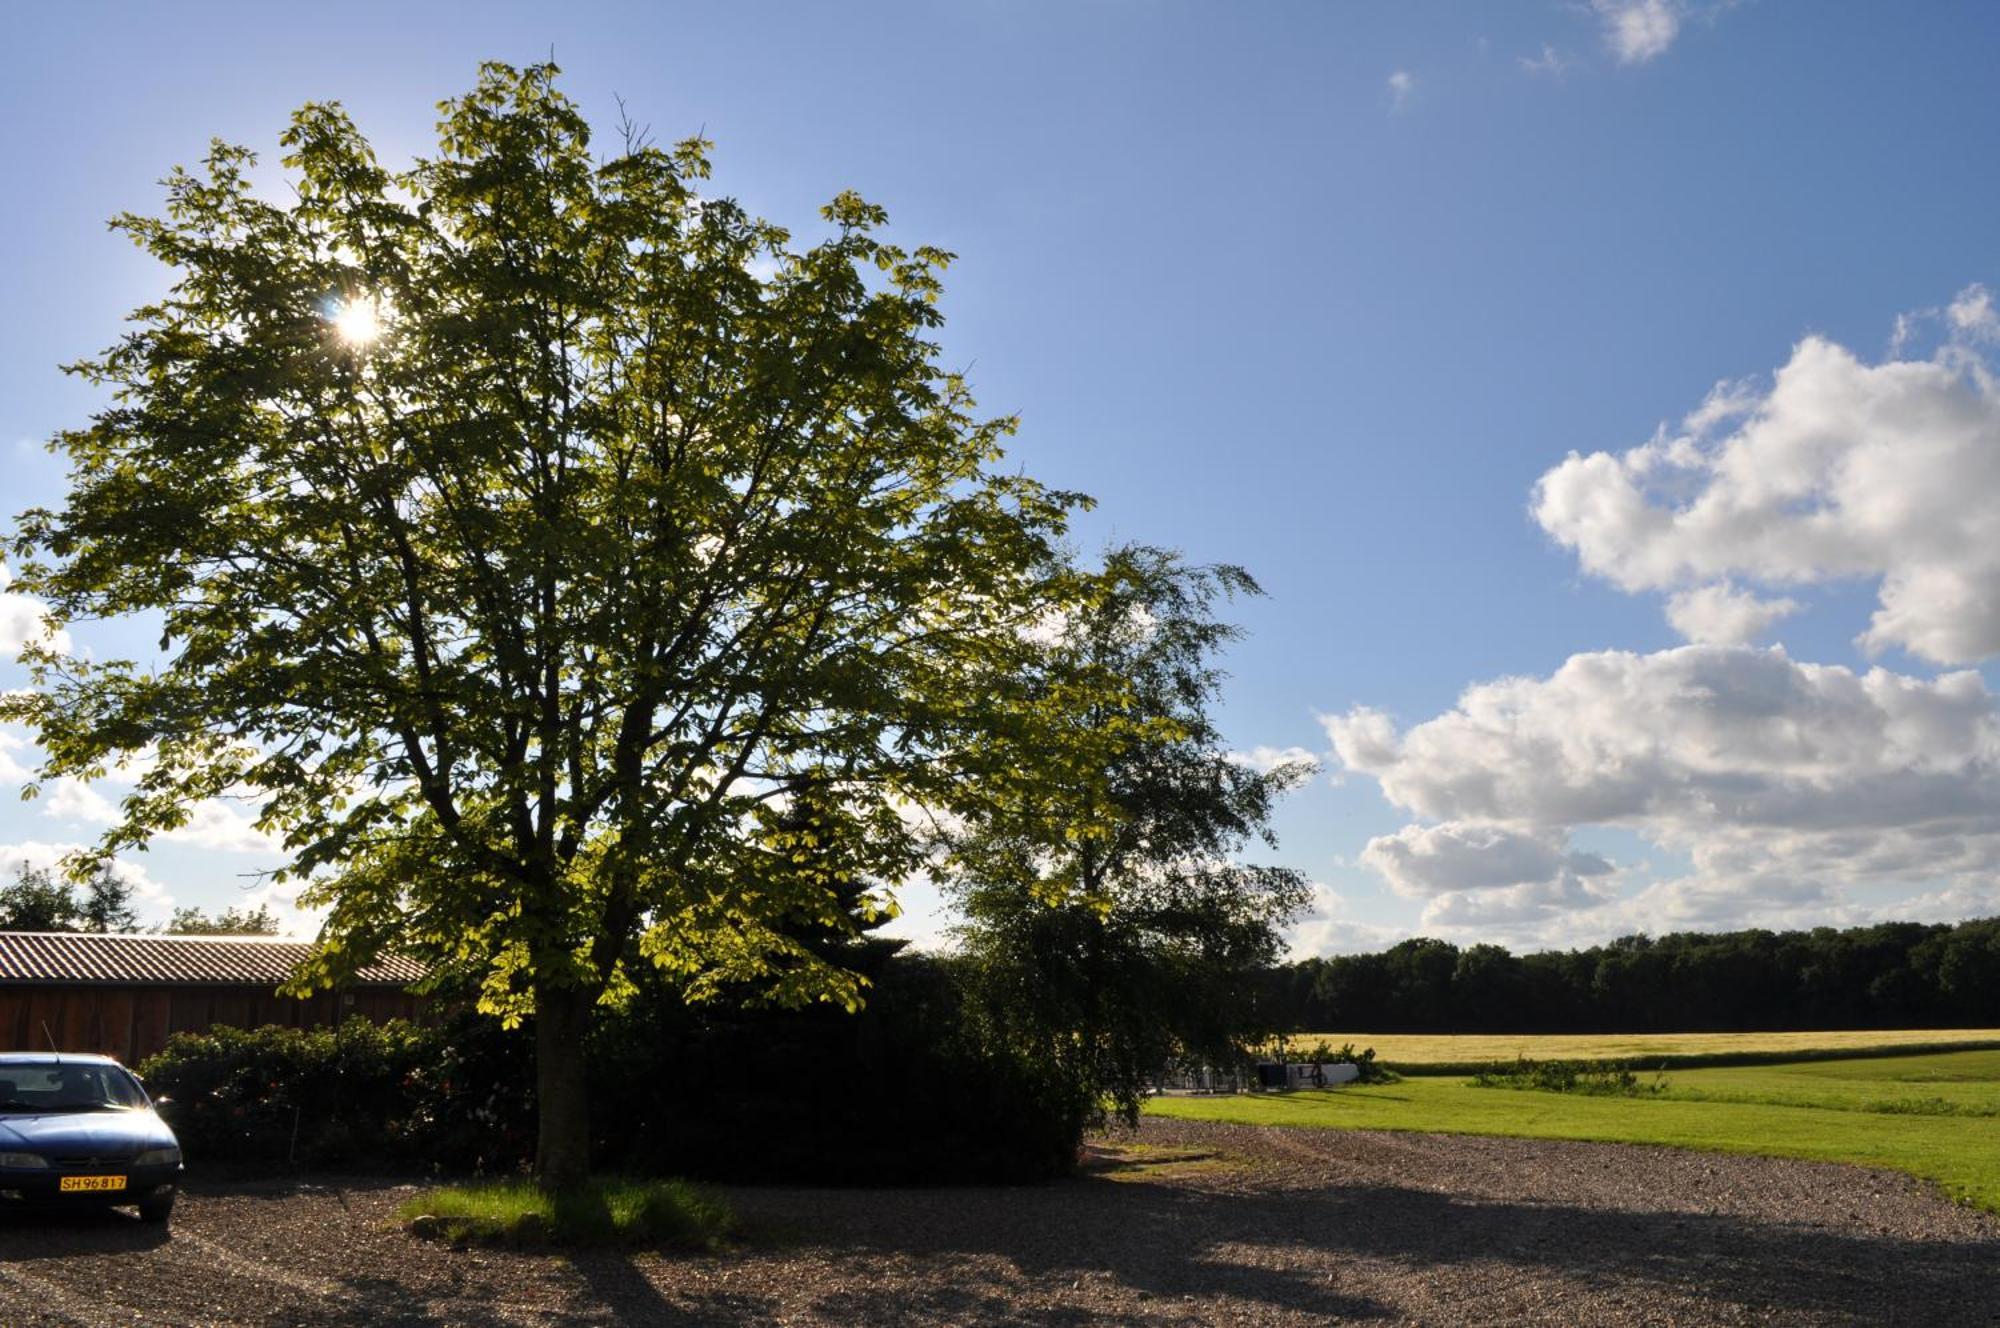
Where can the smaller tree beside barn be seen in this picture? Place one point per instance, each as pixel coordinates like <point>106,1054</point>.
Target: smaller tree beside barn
<point>232,921</point>
<point>37,899</point>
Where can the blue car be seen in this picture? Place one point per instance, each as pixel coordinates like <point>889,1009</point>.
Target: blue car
<point>81,1130</point>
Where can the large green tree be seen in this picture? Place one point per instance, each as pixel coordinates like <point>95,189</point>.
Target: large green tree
<point>1108,954</point>
<point>535,534</point>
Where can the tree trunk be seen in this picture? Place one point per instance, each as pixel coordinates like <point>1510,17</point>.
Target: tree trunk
<point>562,1098</point>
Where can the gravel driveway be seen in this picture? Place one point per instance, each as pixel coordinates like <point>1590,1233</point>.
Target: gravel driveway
<point>1195,1224</point>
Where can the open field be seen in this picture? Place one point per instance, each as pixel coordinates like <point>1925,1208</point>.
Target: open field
<point>1936,1117</point>
<point>1461,1053</point>
<point>1188,1224</point>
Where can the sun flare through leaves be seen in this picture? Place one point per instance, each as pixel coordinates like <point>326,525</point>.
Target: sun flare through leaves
<point>358,320</point>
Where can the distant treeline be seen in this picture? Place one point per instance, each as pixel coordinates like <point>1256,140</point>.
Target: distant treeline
<point>1894,975</point>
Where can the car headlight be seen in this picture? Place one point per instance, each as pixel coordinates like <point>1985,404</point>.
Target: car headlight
<point>24,1161</point>
<point>158,1157</point>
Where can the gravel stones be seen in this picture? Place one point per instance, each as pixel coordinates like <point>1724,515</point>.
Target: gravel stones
<point>1200,1224</point>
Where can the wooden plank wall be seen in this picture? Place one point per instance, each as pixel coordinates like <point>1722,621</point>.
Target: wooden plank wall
<point>132,1023</point>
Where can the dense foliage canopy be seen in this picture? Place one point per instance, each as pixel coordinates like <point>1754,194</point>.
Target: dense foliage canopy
<point>582,578</point>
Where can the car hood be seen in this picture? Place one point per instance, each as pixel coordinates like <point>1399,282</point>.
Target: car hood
<point>91,1133</point>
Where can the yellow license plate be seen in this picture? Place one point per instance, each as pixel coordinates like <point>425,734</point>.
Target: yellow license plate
<point>70,1183</point>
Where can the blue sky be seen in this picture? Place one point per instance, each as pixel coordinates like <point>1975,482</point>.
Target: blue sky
<point>1325,290</point>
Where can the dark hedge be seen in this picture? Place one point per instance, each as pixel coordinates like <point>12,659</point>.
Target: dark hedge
<point>901,1093</point>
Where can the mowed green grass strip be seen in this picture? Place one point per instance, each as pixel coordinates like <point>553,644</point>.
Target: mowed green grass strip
<point>1878,1113</point>
<point>1959,1084</point>
<point>1449,1053</point>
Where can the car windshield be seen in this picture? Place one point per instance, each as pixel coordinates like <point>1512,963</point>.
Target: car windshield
<point>35,1088</point>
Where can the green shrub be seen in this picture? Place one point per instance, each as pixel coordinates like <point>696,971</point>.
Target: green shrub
<point>1366,1068</point>
<point>1932,1106</point>
<point>1591,1078</point>
<point>447,1097</point>
<point>1322,1053</point>
<point>905,1092</point>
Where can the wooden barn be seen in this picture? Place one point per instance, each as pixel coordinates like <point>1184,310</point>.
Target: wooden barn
<point>125,996</point>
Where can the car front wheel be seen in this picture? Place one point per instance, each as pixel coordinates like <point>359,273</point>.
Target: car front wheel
<point>156,1207</point>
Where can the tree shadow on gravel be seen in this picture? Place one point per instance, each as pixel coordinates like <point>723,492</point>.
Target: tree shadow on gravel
<point>1288,1250</point>
<point>617,1284</point>
<point>1003,1307</point>
<point>1160,1249</point>
<point>612,1292</point>
<point>262,1183</point>
<point>382,1302</point>
<point>28,1234</point>
<point>1125,1252</point>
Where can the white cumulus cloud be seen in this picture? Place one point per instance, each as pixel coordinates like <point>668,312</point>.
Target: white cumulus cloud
<point>1839,469</point>
<point>1402,85</point>
<point>74,800</point>
<point>1480,876</point>
<point>1786,785</point>
<point>23,619</point>
<point>1363,739</point>
<point>219,824</point>
<point>1720,614</point>
<point>1328,927</point>
<point>282,901</point>
<point>150,899</point>
<point>12,771</point>
<point>1550,62</point>
<point>1757,789</point>
<point>1972,314</point>
<point>1677,739</point>
<point>1423,862</point>
<point>1639,30</point>
<point>223,827</point>
<point>1265,759</point>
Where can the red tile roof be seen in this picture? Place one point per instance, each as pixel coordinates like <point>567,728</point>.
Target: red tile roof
<point>206,961</point>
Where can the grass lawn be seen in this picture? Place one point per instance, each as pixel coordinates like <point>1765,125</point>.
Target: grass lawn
<point>669,1213</point>
<point>1933,1116</point>
<point>1964,1083</point>
<point>1460,1053</point>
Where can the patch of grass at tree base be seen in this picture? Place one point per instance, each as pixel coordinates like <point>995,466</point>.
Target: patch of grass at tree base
<point>1122,1160</point>
<point>611,1211</point>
